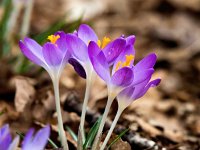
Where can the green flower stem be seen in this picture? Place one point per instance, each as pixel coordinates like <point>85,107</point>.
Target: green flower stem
<point>119,112</point>
<point>98,136</point>
<point>58,109</point>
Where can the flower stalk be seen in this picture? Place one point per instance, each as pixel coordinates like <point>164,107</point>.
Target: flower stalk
<point>89,82</point>
<point>105,114</point>
<point>58,109</point>
<point>119,112</point>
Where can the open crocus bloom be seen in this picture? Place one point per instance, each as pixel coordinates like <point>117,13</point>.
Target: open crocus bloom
<point>52,55</point>
<point>143,71</point>
<point>37,142</point>
<point>6,142</point>
<point>120,77</point>
<point>78,44</point>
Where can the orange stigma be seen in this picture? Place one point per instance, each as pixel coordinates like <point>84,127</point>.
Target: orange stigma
<point>53,38</point>
<point>126,63</point>
<point>104,42</point>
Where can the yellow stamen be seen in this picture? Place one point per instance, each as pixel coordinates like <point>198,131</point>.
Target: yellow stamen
<point>99,43</point>
<point>104,42</point>
<point>119,63</point>
<point>129,58</point>
<point>127,62</point>
<point>53,38</point>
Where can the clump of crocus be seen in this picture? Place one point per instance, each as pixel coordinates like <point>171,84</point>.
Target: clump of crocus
<point>113,61</point>
<point>30,142</point>
<point>6,142</point>
<point>79,44</point>
<point>52,56</point>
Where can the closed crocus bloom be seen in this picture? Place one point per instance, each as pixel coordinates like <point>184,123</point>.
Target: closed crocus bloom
<point>6,142</point>
<point>143,71</point>
<point>38,141</point>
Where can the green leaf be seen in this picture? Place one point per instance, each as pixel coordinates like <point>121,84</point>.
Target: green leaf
<point>118,137</point>
<point>2,112</point>
<point>21,135</point>
<point>52,143</point>
<point>91,134</point>
<point>7,5</point>
<point>71,132</point>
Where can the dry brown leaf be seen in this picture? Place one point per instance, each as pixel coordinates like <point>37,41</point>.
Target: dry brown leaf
<point>25,92</point>
<point>9,113</point>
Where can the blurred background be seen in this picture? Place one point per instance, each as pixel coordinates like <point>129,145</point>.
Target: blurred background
<point>168,115</point>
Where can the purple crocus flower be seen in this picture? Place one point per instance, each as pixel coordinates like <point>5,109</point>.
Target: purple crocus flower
<point>78,43</point>
<point>6,142</point>
<point>37,142</point>
<point>52,56</point>
<point>119,78</point>
<point>143,71</point>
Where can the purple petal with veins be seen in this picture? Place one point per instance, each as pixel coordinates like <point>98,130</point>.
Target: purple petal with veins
<point>87,34</point>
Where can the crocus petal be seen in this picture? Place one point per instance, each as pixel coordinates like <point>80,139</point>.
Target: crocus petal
<point>130,40</point>
<point>4,130</point>
<point>52,54</point>
<point>141,89</point>
<point>150,84</point>
<point>5,141</point>
<point>141,76</point>
<point>61,42</point>
<point>14,144</point>
<point>31,55</point>
<point>146,63</point>
<point>124,97</point>
<point>38,142</point>
<point>41,138</point>
<point>126,93</point>
<point>5,137</point>
<point>77,67</point>
<point>113,49</point>
<point>129,50</point>
<point>87,34</point>
<point>123,77</point>
<point>28,139</point>
<point>77,47</point>
<point>93,49</point>
<point>101,67</point>
<point>34,47</point>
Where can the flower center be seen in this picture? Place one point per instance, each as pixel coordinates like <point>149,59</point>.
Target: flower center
<point>53,38</point>
<point>104,42</point>
<point>126,63</point>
